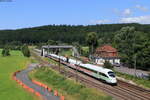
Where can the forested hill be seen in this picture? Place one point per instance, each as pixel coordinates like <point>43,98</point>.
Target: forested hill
<point>65,33</point>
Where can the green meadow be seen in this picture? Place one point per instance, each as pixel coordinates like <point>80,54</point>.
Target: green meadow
<point>68,87</point>
<point>9,89</point>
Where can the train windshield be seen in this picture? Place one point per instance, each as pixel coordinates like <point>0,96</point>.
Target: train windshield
<point>111,74</point>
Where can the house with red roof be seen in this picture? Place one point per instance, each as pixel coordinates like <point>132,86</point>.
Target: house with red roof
<point>106,53</point>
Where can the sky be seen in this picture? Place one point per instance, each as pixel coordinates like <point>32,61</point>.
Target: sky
<point>16,14</point>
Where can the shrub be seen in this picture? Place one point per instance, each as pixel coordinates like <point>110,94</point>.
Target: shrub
<point>107,64</point>
<point>25,51</point>
<point>5,52</point>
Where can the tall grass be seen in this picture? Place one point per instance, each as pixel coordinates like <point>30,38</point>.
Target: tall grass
<point>71,89</point>
<point>139,81</point>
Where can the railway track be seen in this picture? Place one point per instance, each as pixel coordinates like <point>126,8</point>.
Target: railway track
<point>123,91</point>
<point>136,88</point>
<point>132,93</point>
<point>93,84</point>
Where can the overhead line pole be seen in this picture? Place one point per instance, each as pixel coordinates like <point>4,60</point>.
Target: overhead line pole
<point>134,57</point>
<point>76,71</point>
<point>59,64</point>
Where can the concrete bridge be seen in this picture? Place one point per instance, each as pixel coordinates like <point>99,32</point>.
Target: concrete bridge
<point>48,47</point>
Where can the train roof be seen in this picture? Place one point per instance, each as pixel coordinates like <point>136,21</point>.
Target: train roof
<point>96,68</point>
<point>75,61</point>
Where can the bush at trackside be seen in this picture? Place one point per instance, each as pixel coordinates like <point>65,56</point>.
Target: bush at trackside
<point>25,50</point>
<point>107,64</point>
<point>5,52</point>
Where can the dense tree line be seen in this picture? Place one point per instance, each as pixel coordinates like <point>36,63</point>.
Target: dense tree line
<point>13,45</point>
<point>65,33</point>
<point>131,40</point>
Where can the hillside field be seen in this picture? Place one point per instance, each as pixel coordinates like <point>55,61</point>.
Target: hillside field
<point>9,89</point>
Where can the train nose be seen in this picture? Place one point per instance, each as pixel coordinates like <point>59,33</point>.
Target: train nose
<point>114,81</point>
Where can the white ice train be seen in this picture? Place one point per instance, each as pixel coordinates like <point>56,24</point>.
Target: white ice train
<point>93,70</point>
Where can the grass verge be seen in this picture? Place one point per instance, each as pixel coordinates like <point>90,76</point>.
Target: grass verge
<point>9,89</point>
<point>139,81</point>
<point>68,87</point>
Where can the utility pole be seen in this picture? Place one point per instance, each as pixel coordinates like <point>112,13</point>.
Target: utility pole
<point>66,69</point>
<point>135,65</point>
<point>76,71</point>
<point>134,57</point>
<point>59,60</point>
<point>76,74</point>
<point>48,50</point>
<point>59,64</point>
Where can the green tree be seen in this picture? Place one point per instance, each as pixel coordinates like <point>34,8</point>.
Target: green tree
<point>78,46</point>
<point>52,42</point>
<point>5,52</point>
<point>134,47</point>
<point>26,51</point>
<point>143,55</point>
<point>125,43</point>
<point>107,64</point>
<point>100,41</point>
<point>92,41</point>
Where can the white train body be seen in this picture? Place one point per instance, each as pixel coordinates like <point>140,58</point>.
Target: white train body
<point>93,70</point>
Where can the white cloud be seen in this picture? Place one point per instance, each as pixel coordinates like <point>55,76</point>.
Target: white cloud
<point>104,21</point>
<point>142,8</point>
<point>140,19</point>
<point>116,11</point>
<point>127,12</point>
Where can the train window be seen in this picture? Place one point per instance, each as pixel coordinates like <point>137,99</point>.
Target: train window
<point>111,74</point>
<point>103,75</point>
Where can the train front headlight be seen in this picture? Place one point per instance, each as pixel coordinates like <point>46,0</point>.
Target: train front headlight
<point>114,80</point>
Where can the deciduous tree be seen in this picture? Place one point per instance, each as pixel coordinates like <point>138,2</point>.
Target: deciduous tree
<point>26,51</point>
<point>92,41</point>
<point>5,52</point>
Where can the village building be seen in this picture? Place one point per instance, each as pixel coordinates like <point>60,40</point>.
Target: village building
<point>106,53</point>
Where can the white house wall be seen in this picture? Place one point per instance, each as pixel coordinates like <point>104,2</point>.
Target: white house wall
<point>102,61</point>
<point>117,61</point>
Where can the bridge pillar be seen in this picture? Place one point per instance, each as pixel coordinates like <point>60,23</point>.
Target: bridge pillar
<point>43,52</point>
<point>73,54</point>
